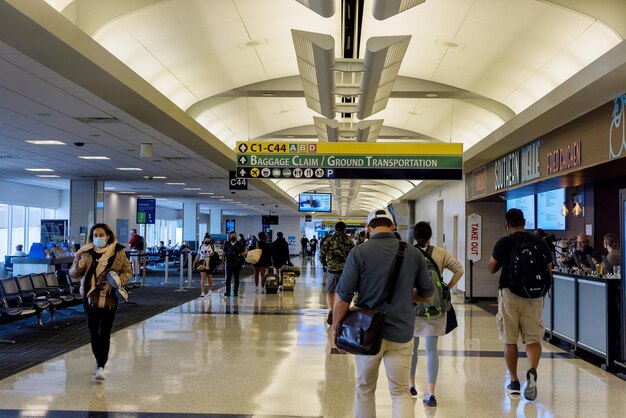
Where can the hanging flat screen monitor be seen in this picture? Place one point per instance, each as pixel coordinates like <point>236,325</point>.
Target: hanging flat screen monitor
<point>315,202</point>
<point>549,205</point>
<point>527,205</point>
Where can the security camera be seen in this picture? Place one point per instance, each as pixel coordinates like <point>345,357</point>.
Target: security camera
<point>79,144</point>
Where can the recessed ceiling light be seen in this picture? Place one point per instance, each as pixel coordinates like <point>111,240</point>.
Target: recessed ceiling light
<point>127,192</point>
<point>39,169</point>
<point>253,43</point>
<point>109,188</point>
<point>431,95</point>
<point>450,44</point>
<point>154,177</point>
<point>94,157</point>
<point>47,175</point>
<point>145,195</point>
<point>216,197</point>
<point>176,184</point>
<point>128,169</point>
<point>268,94</point>
<point>290,136</point>
<point>207,193</point>
<point>45,142</point>
<point>226,200</point>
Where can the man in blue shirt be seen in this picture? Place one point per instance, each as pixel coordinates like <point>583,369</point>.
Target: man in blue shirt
<point>367,269</point>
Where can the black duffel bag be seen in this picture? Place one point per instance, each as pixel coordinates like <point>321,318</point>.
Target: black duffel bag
<point>362,329</point>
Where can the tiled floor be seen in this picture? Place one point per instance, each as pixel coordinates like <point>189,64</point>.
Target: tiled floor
<point>268,356</point>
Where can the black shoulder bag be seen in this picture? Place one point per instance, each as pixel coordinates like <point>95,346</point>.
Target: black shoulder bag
<point>362,329</point>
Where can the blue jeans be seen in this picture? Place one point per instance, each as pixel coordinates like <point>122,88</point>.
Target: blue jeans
<point>231,269</point>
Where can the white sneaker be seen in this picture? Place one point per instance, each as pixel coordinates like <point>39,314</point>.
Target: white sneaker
<point>100,374</point>
<point>256,289</point>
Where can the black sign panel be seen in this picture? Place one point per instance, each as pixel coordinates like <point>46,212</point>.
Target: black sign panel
<point>308,218</point>
<point>235,183</point>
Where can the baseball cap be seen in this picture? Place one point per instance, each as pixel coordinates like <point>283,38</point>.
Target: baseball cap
<point>379,213</point>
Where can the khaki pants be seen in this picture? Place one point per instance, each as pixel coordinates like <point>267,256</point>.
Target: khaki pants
<point>397,359</point>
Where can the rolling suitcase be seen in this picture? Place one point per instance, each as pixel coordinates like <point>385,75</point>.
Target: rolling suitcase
<point>289,280</point>
<point>271,281</point>
<point>293,269</point>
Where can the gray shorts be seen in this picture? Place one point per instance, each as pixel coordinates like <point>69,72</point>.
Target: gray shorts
<point>331,281</point>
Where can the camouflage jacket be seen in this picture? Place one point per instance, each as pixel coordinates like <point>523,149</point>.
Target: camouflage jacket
<point>335,250</point>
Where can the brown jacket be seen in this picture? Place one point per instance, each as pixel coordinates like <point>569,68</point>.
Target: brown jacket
<point>118,264</point>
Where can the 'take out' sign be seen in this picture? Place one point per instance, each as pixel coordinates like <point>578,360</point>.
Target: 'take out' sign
<point>474,237</point>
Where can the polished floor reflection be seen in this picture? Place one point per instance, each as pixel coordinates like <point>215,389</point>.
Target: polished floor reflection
<point>268,356</point>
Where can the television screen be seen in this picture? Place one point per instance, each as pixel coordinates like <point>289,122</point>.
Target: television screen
<point>549,206</point>
<point>527,205</point>
<point>269,220</point>
<point>315,202</point>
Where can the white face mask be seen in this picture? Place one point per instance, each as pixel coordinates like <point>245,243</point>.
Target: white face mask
<point>100,242</point>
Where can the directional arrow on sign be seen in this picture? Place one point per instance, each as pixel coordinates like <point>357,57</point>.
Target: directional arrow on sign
<point>242,172</point>
<point>243,148</point>
<point>242,159</point>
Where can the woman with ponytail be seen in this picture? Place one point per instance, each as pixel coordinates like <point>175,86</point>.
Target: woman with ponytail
<point>100,262</point>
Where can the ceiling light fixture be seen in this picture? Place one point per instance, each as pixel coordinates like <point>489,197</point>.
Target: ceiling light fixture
<point>268,94</point>
<point>48,176</point>
<point>192,188</point>
<point>384,9</point>
<point>40,169</point>
<point>206,193</point>
<point>127,192</point>
<point>431,95</point>
<point>93,157</point>
<point>324,8</point>
<point>129,169</point>
<point>154,177</point>
<point>383,57</point>
<point>216,197</point>
<point>176,184</point>
<point>45,142</point>
<point>316,58</point>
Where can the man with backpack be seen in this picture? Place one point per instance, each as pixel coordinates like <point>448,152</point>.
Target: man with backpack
<point>525,279</point>
<point>137,245</point>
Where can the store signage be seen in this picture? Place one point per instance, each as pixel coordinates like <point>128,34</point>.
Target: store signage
<point>474,237</point>
<point>518,167</point>
<point>349,160</point>
<point>617,135</point>
<point>564,158</point>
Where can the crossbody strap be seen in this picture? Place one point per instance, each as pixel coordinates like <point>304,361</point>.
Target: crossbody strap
<point>390,286</point>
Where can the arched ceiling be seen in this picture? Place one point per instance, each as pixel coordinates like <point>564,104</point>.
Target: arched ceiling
<point>471,65</point>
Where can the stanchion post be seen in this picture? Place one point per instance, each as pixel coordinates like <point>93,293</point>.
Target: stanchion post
<point>189,271</point>
<point>167,269</point>
<point>144,258</point>
<point>471,284</point>
<point>182,264</point>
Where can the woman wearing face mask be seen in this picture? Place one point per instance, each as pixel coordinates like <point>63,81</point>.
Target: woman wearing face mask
<point>207,249</point>
<point>92,262</point>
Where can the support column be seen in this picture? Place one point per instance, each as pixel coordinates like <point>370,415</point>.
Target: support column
<point>190,224</point>
<point>86,208</point>
<point>215,226</point>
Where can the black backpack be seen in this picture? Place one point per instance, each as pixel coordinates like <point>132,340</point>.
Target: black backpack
<point>528,275</point>
<point>140,243</point>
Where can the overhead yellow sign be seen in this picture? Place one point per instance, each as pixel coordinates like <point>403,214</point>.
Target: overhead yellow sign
<point>352,148</point>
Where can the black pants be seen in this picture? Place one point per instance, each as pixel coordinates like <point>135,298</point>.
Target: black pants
<point>232,269</point>
<point>100,323</point>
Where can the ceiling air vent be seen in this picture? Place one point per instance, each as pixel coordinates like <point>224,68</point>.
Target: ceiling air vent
<point>106,119</point>
<point>177,158</point>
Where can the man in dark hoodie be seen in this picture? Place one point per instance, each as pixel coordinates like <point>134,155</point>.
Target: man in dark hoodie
<point>280,251</point>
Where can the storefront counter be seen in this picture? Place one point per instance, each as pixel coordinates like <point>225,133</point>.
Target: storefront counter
<point>40,265</point>
<point>585,312</point>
